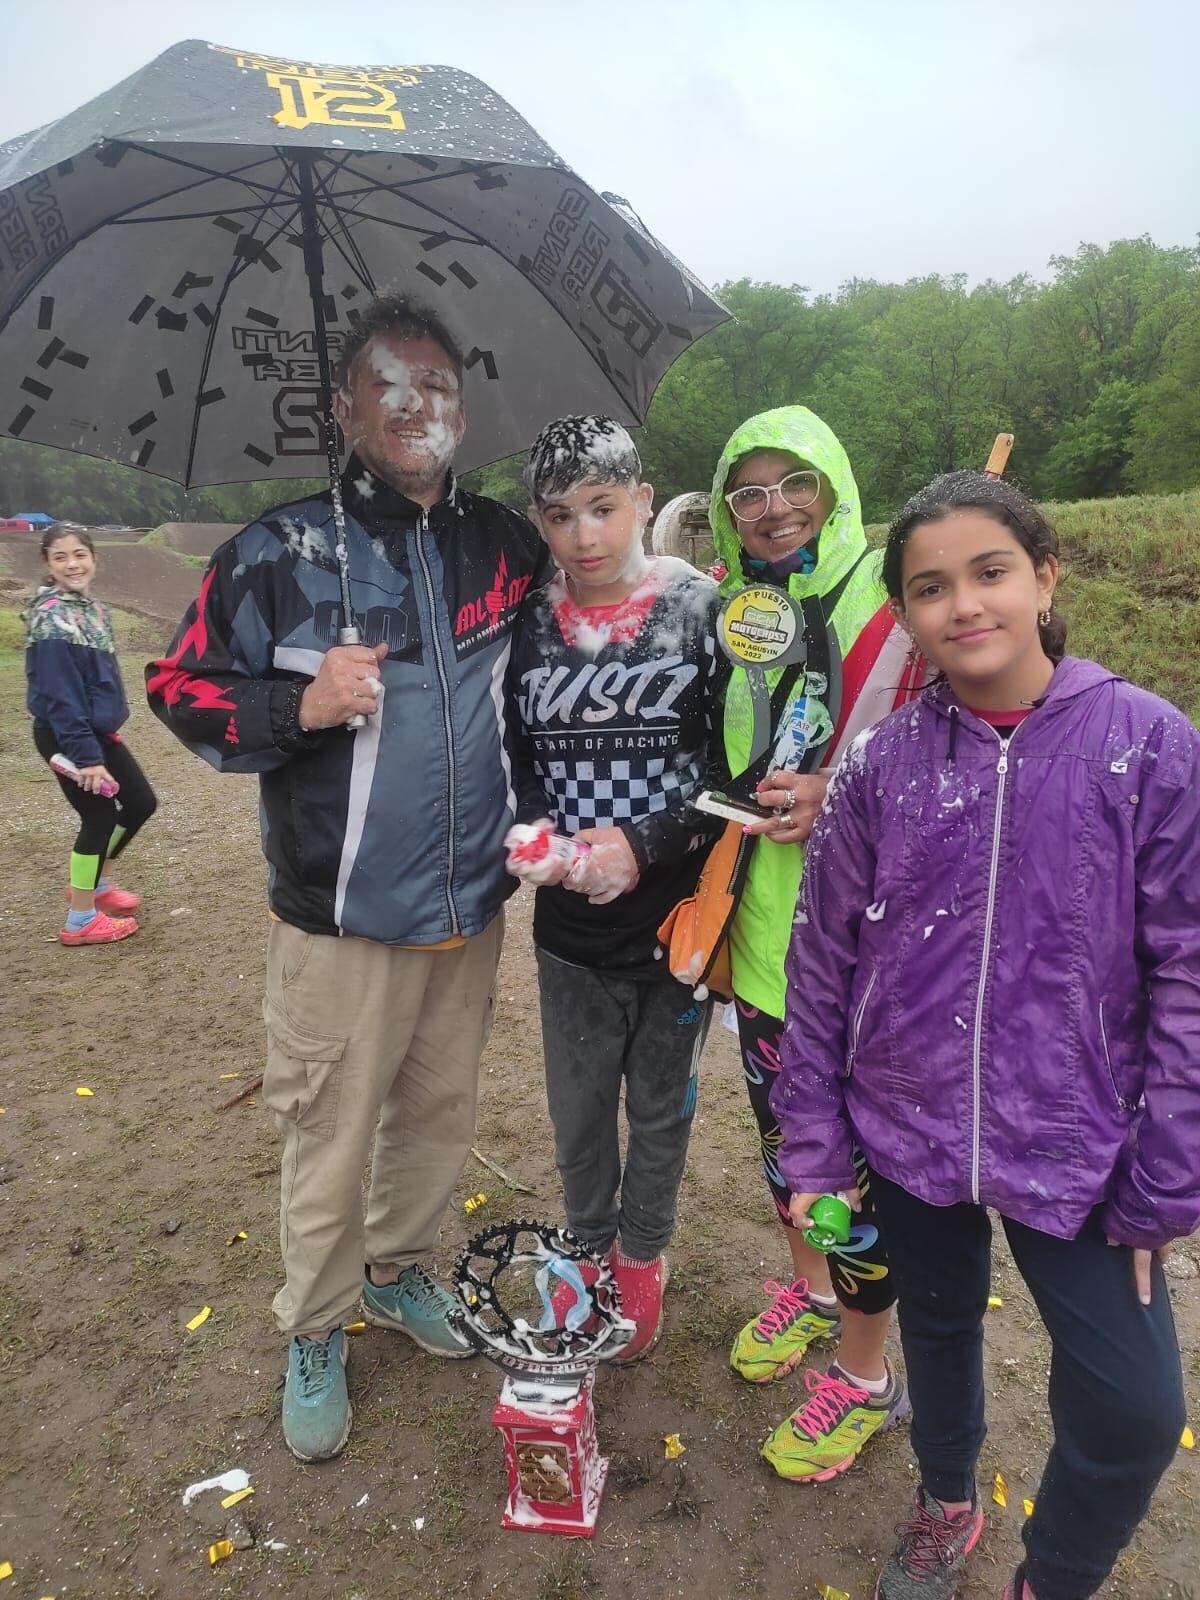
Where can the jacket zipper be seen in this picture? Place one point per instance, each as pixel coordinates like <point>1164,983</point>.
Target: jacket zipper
<point>859,1012</point>
<point>1112,1077</point>
<point>977,1047</point>
<point>444,682</point>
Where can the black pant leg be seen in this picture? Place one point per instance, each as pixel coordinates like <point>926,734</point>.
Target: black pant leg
<point>940,1259</point>
<point>858,1269</point>
<point>97,814</point>
<point>136,802</point>
<point>1116,1401</point>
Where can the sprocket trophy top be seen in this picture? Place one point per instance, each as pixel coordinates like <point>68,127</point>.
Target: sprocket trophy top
<point>592,1329</point>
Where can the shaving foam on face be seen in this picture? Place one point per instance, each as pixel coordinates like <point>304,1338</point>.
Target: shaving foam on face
<point>405,398</point>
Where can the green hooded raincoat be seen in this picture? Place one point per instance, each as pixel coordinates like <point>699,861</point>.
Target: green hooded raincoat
<point>763,927</point>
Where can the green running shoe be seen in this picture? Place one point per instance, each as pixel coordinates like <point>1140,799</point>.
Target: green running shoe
<point>773,1343</point>
<point>419,1307</point>
<point>316,1404</point>
<point>827,1434</point>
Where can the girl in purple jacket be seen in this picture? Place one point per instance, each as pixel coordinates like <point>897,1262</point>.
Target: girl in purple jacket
<point>994,990</point>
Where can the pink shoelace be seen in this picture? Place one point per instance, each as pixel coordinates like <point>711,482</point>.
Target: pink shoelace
<point>831,1399</point>
<point>929,1540</point>
<point>790,1300</point>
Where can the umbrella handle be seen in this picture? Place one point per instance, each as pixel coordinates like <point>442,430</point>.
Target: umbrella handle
<point>352,636</point>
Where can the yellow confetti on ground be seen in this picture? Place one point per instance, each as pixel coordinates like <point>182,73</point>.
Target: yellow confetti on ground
<point>1000,1490</point>
<point>234,1237</point>
<point>828,1592</point>
<point>1187,1439</point>
<point>226,1075</point>
<point>218,1552</point>
<point>1028,1504</point>
<point>201,1316</point>
<point>236,1498</point>
<point>85,1094</point>
<point>355,1327</point>
<point>5,1569</point>
<point>994,1302</point>
<point>672,1446</point>
<point>3,1110</point>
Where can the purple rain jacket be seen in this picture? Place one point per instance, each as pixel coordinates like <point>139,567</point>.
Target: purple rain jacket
<point>994,976</point>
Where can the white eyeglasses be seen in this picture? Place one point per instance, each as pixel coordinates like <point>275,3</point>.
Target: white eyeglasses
<point>751,502</point>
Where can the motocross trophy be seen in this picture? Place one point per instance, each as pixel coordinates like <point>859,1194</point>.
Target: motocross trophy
<point>548,1356</point>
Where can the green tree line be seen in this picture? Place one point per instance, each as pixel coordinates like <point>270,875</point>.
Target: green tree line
<point>1096,371</point>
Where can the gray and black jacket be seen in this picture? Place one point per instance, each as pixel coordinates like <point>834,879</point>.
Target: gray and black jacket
<point>395,832</point>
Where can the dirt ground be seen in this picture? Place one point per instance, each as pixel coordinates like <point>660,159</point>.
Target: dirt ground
<point>118,1213</point>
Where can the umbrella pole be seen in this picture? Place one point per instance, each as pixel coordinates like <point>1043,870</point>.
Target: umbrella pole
<point>314,268</point>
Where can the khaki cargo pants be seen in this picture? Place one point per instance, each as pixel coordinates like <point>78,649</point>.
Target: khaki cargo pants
<point>367,1042</point>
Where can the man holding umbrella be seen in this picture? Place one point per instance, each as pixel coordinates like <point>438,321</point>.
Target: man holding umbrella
<point>178,257</point>
<point>384,843</point>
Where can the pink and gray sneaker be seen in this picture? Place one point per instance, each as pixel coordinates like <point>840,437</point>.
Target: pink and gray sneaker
<point>931,1552</point>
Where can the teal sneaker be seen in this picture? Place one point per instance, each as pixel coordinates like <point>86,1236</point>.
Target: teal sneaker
<point>417,1306</point>
<point>316,1403</point>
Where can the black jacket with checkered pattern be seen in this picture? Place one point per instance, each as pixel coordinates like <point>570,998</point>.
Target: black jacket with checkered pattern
<point>617,715</point>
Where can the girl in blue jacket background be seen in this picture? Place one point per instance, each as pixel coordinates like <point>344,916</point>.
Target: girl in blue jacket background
<point>77,703</point>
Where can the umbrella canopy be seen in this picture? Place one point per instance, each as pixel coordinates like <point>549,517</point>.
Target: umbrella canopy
<point>157,299</point>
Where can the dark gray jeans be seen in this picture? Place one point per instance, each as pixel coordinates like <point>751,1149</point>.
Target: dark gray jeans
<point>597,1030</point>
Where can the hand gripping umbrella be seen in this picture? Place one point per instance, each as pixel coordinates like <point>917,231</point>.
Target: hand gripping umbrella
<point>181,258</point>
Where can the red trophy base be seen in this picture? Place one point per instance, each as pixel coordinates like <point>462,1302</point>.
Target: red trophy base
<point>555,1470</point>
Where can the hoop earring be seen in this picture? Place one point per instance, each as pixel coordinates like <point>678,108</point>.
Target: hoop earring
<point>1044,617</point>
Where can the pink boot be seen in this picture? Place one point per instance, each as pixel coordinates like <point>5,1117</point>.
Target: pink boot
<point>641,1284</point>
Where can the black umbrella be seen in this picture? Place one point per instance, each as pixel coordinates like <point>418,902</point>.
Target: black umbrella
<point>181,257</point>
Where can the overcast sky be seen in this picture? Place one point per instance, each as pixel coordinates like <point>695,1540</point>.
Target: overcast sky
<point>775,139</point>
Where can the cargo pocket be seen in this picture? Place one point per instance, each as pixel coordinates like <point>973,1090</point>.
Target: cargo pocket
<point>303,1080</point>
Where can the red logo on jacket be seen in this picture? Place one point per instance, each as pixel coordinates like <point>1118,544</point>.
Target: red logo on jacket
<point>503,595</point>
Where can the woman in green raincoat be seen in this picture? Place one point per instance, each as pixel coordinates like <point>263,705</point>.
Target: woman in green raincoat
<point>785,511</point>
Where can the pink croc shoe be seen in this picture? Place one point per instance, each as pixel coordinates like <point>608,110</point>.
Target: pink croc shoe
<point>116,902</point>
<point>641,1284</point>
<point>102,929</point>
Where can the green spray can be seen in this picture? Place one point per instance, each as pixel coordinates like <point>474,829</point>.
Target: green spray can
<point>831,1222</point>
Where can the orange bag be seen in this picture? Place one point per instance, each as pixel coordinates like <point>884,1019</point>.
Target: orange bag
<point>696,931</point>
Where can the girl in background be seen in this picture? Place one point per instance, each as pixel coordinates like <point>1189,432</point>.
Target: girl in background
<point>78,703</point>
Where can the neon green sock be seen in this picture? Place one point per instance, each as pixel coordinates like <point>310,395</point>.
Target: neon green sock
<point>85,872</point>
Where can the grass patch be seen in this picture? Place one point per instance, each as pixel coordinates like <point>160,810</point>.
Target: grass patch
<point>158,540</point>
<point>12,631</point>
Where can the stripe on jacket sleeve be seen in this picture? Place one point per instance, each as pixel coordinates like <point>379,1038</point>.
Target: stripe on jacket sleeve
<point>499,671</point>
<point>289,658</point>
<point>362,776</point>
